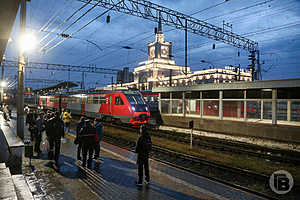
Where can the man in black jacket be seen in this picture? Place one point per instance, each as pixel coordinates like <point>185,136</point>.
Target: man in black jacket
<point>56,127</point>
<point>143,149</point>
<point>87,137</point>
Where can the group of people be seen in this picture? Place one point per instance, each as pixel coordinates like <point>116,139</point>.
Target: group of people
<point>88,137</point>
<point>52,125</point>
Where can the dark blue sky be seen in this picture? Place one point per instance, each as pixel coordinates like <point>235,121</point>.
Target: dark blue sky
<point>274,24</point>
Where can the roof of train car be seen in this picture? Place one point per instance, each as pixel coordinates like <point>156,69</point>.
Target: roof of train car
<point>93,92</point>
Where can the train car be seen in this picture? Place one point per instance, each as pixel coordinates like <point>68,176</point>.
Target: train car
<point>121,106</point>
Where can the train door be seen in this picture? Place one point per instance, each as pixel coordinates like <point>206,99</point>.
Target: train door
<point>82,102</point>
<point>119,108</point>
<point>110,105</point>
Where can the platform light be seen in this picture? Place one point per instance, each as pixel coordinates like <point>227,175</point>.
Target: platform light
<point>27,42</point>
<point>3,84</point>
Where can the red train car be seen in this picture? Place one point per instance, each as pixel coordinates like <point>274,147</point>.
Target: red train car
<point>122,106</point>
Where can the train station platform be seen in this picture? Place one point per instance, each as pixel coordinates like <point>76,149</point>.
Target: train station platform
<point>114,176</point>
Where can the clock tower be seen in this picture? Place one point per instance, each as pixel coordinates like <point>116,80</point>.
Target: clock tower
<point>159,48</point>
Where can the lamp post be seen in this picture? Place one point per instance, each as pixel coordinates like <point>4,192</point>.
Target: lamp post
<point>26,43</point>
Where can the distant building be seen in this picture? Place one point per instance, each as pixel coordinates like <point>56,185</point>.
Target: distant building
<point>124,76</point>
<point>160,70</point>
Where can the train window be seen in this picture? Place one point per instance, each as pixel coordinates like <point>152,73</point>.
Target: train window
<point>90,99</point>
<point>135,99</point>
<point>96,100</point>
<point>119,101</point>
<point>102,99</point>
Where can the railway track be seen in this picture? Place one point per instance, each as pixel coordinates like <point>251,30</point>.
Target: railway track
<point>226,146</point>
<point>234,177</point>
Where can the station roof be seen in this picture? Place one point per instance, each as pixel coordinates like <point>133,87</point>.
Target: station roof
<point>270,84</point>
<point>8,12</point>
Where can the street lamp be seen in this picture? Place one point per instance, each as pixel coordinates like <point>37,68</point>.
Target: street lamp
<point>27,42</point>
<point>3,84</point>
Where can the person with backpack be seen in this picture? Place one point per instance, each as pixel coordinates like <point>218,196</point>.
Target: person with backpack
<point>98,137</point>
<point>77,141</point>
<point>143,148</point>
<point>56,127</point>
<point>88,141</point>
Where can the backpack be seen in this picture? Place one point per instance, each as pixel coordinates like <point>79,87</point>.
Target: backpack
<point>147,144</point>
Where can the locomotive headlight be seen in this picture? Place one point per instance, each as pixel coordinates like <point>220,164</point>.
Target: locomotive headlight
<point>147,109</point>
<point>133,108</point>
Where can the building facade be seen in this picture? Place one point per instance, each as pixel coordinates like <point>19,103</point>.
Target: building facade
<point>160,70</point>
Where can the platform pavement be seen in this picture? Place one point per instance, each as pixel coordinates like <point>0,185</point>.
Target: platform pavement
<point>114,177</point>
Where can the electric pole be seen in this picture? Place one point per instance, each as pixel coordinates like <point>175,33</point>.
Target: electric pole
<point>21,69</point>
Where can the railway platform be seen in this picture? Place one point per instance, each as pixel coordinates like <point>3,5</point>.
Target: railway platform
<point>114,176</point>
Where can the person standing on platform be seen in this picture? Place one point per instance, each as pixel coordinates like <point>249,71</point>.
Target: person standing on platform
<point>78,141</point>
<point>56,126</point>
<point>98,137</point>
<point>5,112</point>
<point>67,120</point>
<point>38,135</point>
<point>143,148</point>
<point>88,142</point>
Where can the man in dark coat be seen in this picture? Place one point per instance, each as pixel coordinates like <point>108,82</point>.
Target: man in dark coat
<point>38,135</point>
<point>78,141</point>
<point>98,137</point>
<point>31,121</point>
<point>88,141</point>
<point>143,149</point>
<point>56,126</point>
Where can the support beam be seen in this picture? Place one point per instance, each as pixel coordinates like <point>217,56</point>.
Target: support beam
<point>261,110</point>
<point>274,106</point>
<point>183,104</point>
<point>154,12</point>
<point>289,110</point>
<point>159,102</point>
<point>221,105</point>
<point>21,70</point>
<point>245,105</point>
<point>62,67</point>
<point>171,103</point>
<point>201,104</point>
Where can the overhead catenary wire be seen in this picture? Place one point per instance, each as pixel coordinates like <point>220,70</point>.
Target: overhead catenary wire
<point>225,1</point>
<point>85,25</point>
<point>238,10</point>
<point>70,25</point>
<point>67,19</point>
<point>54,17</point>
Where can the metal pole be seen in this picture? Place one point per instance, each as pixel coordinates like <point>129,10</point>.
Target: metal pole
<point>191,143</point>
<point>186,47</point>
<point>2,79</point>
<point>21,69</point>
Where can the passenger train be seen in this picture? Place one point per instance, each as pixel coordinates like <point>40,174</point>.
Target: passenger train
<point>122,106</point>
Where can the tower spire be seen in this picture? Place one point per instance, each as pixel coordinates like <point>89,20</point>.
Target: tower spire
<point>159,28</point>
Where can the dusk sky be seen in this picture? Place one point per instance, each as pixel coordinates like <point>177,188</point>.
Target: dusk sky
<point>274,24</point>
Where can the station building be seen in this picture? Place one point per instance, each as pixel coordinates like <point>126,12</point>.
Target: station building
<point>160,70</point>
<point>265,109</point>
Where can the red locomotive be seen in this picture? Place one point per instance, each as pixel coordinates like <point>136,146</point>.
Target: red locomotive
<point>121,106</point>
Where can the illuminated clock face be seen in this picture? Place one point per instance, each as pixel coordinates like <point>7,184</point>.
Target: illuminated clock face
<point>164,51</point>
